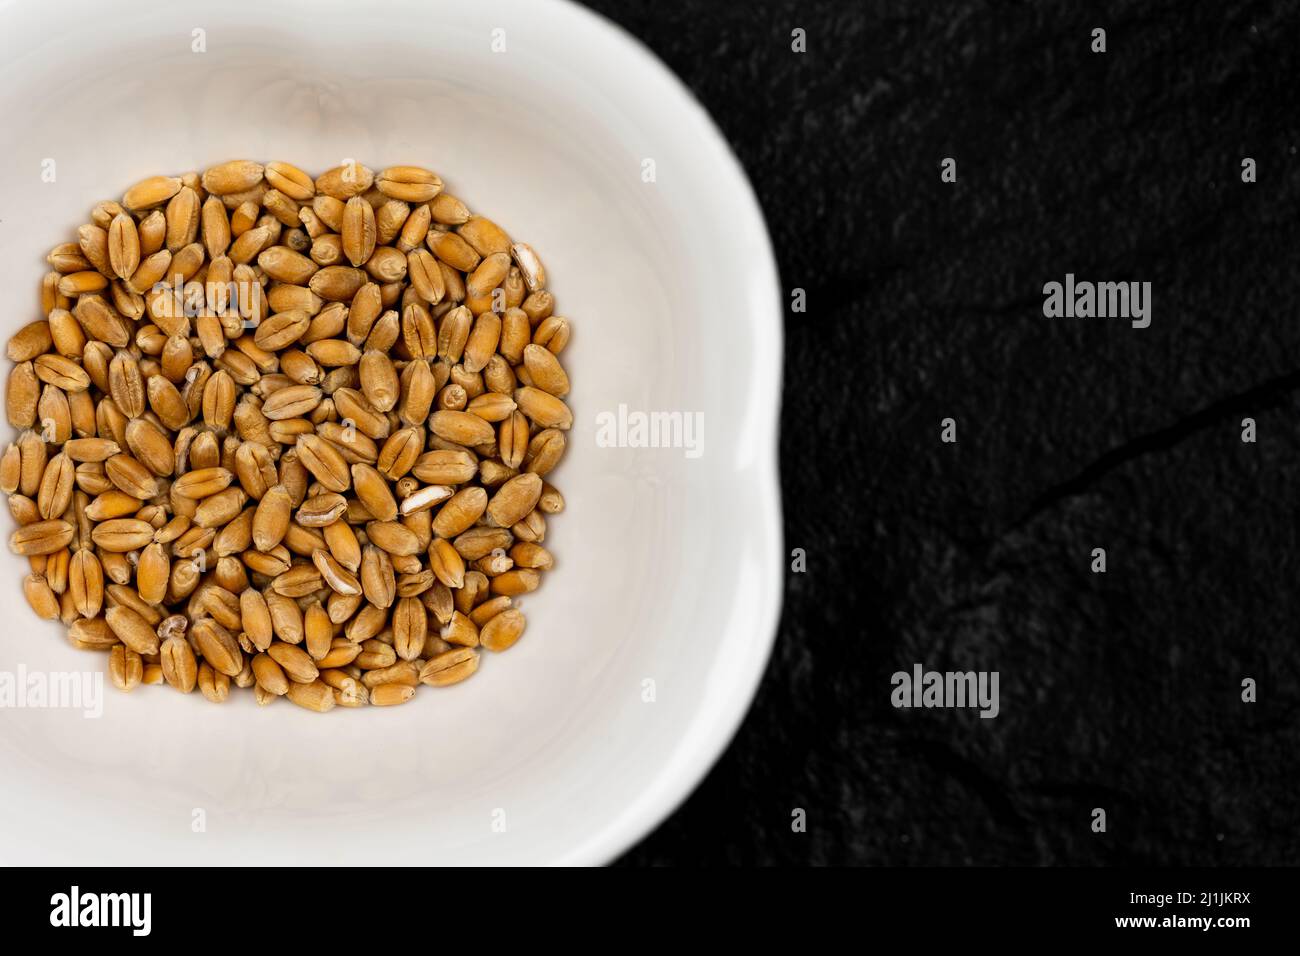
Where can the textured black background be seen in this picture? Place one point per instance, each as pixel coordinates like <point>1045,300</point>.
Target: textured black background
<point>1119,690</point>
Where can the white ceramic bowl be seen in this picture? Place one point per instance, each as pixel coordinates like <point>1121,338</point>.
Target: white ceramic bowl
<point>668,567</point>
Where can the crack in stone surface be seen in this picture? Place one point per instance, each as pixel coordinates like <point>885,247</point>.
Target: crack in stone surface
<point>1265,396</point>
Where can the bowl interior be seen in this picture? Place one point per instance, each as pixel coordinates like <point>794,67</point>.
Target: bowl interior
<point>645,643</point>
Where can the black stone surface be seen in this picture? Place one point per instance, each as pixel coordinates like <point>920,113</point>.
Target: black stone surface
<point>1119,690</point>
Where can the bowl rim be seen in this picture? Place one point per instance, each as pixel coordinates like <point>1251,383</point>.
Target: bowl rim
<point>618,836</point>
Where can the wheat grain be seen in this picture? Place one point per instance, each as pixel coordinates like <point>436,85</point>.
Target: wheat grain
<point>293,433</point>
